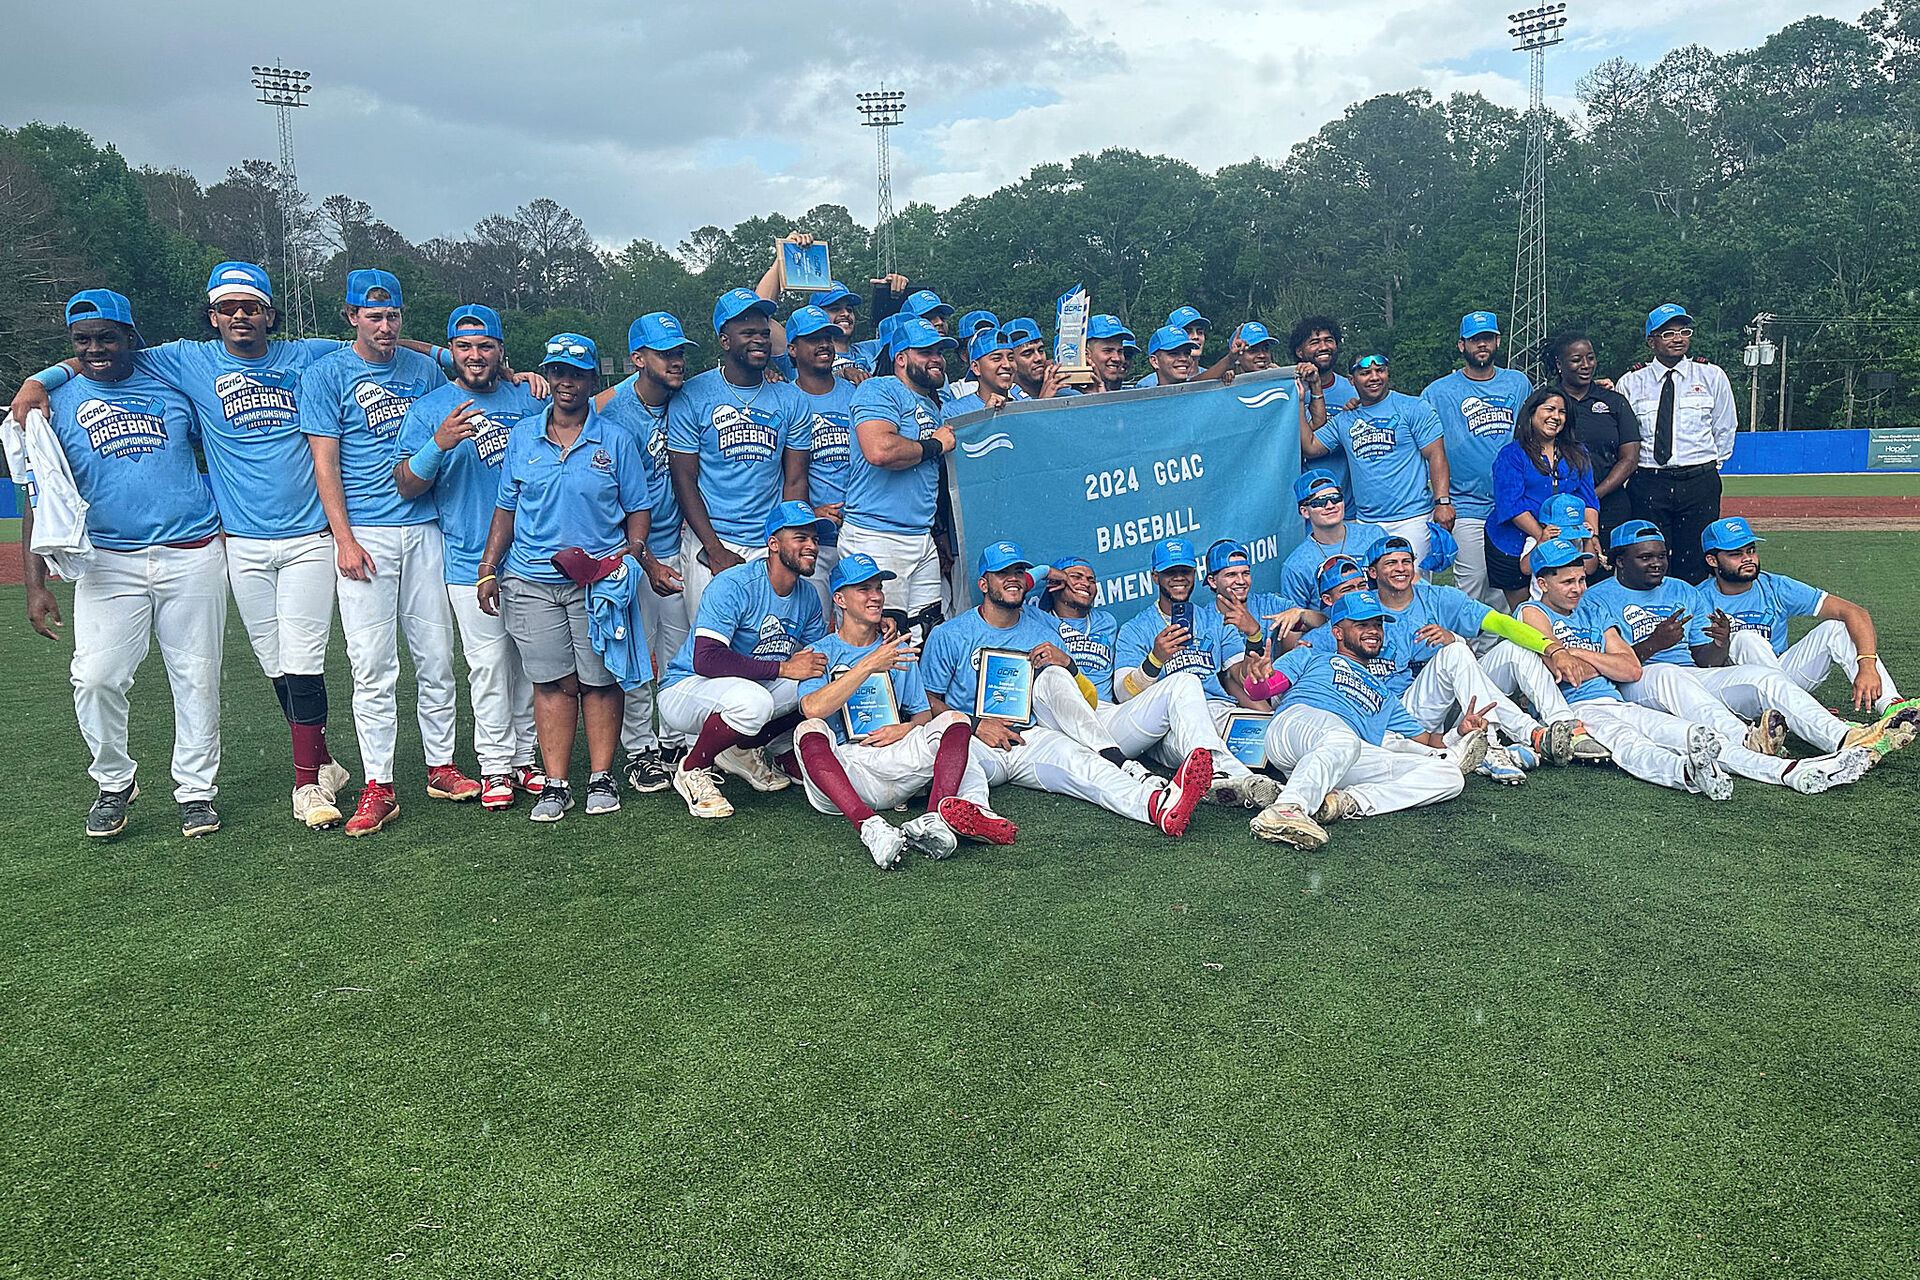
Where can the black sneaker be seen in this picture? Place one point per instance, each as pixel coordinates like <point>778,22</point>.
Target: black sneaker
<point>108,817</point>
<point>648,772</point>
<point>197,818</point>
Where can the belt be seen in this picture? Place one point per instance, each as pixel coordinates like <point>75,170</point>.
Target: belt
<point>1680,473</point>
<point>195,545</point>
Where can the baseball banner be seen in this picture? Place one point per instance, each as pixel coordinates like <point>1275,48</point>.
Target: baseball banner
<point>1105,476</point>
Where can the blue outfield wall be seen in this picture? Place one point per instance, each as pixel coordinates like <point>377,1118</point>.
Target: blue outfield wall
<point>1776,453</point>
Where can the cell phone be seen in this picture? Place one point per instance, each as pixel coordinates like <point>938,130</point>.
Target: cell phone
<point>1183,614</point>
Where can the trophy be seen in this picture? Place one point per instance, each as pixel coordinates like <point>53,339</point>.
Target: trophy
<point>1070,315</point>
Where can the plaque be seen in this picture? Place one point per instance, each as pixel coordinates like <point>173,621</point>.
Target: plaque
<point>870,707</point>
<point>1071,314</point>
<point>1004,689</point>
<point>805,268</point>
<point>1246,737</point>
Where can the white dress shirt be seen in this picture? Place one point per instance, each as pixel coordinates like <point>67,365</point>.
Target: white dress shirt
<point>1704,417</point>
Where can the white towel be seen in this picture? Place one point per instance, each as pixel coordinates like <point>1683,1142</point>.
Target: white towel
<point>35,459</point>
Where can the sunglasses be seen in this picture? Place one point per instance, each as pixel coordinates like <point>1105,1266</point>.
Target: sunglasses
<point>566,349</point>
<point>239,307</point>
<point>1324,499</point>
<point>1370,362</point>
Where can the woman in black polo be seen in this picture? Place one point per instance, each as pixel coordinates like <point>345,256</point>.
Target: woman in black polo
<point>1602,421</point>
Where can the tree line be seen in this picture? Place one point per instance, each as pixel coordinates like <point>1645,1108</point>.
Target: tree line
<point>1771,180</point>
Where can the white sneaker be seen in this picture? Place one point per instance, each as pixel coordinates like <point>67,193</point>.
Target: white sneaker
<point>750,765</point>
<point>701,790</point>
<point>1288,824</point>
<point>334,779</point>
<point>930,834</point>
<point>883,841</point>
<point>1243,790</point>
<point>1701,767</point>
<point>1140,773</point>
<point>313,804</point>
<point>1338,804</point>
<point>1823,773</point>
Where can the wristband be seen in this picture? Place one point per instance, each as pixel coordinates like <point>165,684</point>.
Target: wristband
<point>484,581</point>
<point>1152,666</point>
<point>426,463</point>
<point>1859,658</point>
<point>930,449</point>
<point>53,377</point>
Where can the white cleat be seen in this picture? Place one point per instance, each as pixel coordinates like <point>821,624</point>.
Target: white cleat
<point>1243,790</point>
<point>1338,805</point>
<point>701,790</point>
<point>1500,766</point>
<point>1140,773</point>
<point>883,840</point>
<point>313,804</point>
<point>930,835</point>
<point>334,779</point>
<point>1469,751</point>
<point>1823,773</point>
<point>1702,765</point>
<point>1288,824</point>
<point>749,764</point>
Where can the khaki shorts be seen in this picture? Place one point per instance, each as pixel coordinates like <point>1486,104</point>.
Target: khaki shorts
<point>548,623</point>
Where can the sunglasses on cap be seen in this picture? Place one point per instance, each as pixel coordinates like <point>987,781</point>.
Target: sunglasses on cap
<point>1325,498</point>
<point>240,306</point>
<point>566,349</point>
<point>1369,362</point>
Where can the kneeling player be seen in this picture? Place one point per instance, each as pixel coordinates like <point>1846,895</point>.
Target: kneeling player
<point>893,761</point>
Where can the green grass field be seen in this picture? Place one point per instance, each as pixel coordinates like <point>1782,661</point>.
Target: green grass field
<point>1859,484</point>
<point>1586,1028</point>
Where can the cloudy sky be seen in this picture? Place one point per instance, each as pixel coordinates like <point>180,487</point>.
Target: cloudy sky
<point>651,119</point>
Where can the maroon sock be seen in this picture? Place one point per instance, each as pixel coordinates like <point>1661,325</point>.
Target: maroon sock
<point>949,763</point>
<point>775,727</point>
<point>309,752</point>
<point>823,767</point>
<point>715,737</point>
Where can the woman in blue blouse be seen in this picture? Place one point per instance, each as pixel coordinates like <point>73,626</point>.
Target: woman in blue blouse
<point>1543,460</point>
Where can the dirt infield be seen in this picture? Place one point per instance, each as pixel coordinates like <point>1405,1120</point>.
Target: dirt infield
<point>1851,514</point>
<point>12,569</point>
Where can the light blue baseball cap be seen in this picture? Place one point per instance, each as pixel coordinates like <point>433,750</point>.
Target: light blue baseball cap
<point>243,278</point>
<point>1169,338</point>
<point>1729,534</point>
<point>1664,314</point>
<point>1385,546</point>
<point>364,281</point>
<point>1022,331</point>
<point>1358,606</point>
<point>1311,482</point>
<point>1442,548</point>
<point>915,334</point>
<point>574,349</point>
<point>103,304</point>
<point>1475,323</point>
<point>1225,552</point>
<point>1174,553</point>
<point>1181,317</point>
<point>974,321</point>
<point>791,514</point>
<point>1337,570</point>
<point>997,557</point>
<point>473,314</point>
<point>986,340</point>
<point>809,320</point>
<point>834,294</point>
<point>657,331</point>
<point>1069,562</point>
<point>924,303</point>
<point>1253,333</point>
<point>856,568</point>
<point>735,303</point>
<point>1565,510</point>
<point>1636,531</point>
<point>1105,325</point>
<point>1554,553</point>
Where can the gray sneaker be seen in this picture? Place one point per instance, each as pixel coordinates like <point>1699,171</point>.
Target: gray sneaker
<point>555,799</point>
<point>647,773</point>
<point>602,795</point>
<point>108,816</point>
<point>197,818</point>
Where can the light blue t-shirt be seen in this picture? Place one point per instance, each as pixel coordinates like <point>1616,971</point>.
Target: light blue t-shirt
<point>883,501</point>
<point>948,663</point>
<point>467,486</point>
<point>1214,646</point>
<point>741,609</point>
<point>830,426</point>
<point>841,657</point>
<point>1300,571</point>
<point>129,445</point>
<point>577,498</point>
<point>258,459</point>
<point>362,404</point>
<point>1382,444</point>
<point>1478,418</point>
<point>1332,682</point>
<point>1637,613</point>
<point>1334,464</point>
<point>969,403</point>
<point>1765,606</point>
<point>1090,642</point>
<point>648,427</point>
<point>1448,607</point>
<point>741,437</point>
<point>1584,631</point>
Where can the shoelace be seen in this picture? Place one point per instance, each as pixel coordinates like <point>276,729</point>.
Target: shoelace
<point>602,786</point>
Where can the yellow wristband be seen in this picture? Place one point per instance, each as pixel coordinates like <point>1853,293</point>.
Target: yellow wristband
<point>1859,658</point>
<point>488,578</point>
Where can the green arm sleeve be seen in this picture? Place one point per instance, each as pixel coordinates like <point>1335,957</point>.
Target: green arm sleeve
<point>1508,627</point>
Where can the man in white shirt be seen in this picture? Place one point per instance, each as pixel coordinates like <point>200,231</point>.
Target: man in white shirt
<point>1687,421</point>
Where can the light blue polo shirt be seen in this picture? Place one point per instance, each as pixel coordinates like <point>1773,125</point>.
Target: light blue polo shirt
<point>129,445</point>
<point>1382,444</point>
<point>1479,420</point>
<point>883,501</point>
<point>579,497</point>
<point>467,486</point>
<point>741,436</point>
<point>362,404</point>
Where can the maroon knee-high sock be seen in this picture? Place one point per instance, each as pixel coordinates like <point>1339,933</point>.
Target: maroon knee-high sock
<point>775,727</point>
<point>823,767</point>
<point>715,736</point>
<point>949,763</point>
<point>309,752</point>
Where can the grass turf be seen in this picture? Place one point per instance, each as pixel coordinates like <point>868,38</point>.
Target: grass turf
<point>1857,484</point>
<point>1586,1027</point>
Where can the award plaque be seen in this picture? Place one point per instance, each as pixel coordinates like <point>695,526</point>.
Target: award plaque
<point>1071,314</point>
<point>871,707</point>
<point>1004,689</point>
<point>1246,737</point>
<point>806,269</point>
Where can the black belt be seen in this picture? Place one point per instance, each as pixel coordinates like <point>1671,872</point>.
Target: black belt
<point>1680,473</point>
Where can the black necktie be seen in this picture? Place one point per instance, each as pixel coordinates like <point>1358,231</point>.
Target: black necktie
<point>1663,423</point>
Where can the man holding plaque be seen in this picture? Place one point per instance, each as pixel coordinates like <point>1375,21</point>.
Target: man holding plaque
<point>1003,665</point>
<point>870,739</point>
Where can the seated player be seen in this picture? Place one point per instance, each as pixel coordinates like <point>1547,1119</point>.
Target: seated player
<point>1176,635</point>
<point>1657,615</point>
<point>1759,605</point>
<point>1040,756</point>
<point>1329,735</point>
<point>895,761</point>
<point>1323,506</point>
<point>1254,614</point>
<point>734,686</point>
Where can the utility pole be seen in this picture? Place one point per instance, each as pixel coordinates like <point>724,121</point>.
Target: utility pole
<point>1534,31</point>
<point>285,91</point>
<point>1759,351</point>
<point>883,110</point>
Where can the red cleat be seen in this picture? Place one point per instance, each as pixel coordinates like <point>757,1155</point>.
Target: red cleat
<point>1171,809</point>
<point>496,791</point>
<point>378,806</point>
<point>529,779</point>
<point>971,822</point>
<point>446,782</point>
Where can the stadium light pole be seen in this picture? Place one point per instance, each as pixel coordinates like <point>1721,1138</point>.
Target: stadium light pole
<point>1534,31</point>
<point>285,90</point>
<point>883,110</point>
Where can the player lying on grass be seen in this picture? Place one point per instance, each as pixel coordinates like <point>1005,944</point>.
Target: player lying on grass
<point>902,748</point>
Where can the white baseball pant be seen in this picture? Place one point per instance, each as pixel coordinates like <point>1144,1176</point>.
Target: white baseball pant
<point>1749,691</point>
<point>498,688</point>
<point>1470,565</point>
<point>693,569</point>
<point>1809,660</point>
<point>284,590</point>
<point>1452,678</point>
<point>179,596</point>
<point>745,706</point>
<point>1168,721</point>
<point>1320,753</point>
<point>667,623</point>
<point>406,594</point>
<point>1052,762</point>
<point>1676,690</point>
<point>890,775</point>
<point>911,555</point>
<point>1649,745</point>
<point>1516,670</point>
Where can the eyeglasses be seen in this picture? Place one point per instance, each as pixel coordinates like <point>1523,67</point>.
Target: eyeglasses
<point>566,349</point>
<point>1685,331</point>
<point>239,307</point>
<point>1324,499</point>
<point>1370,362</point>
